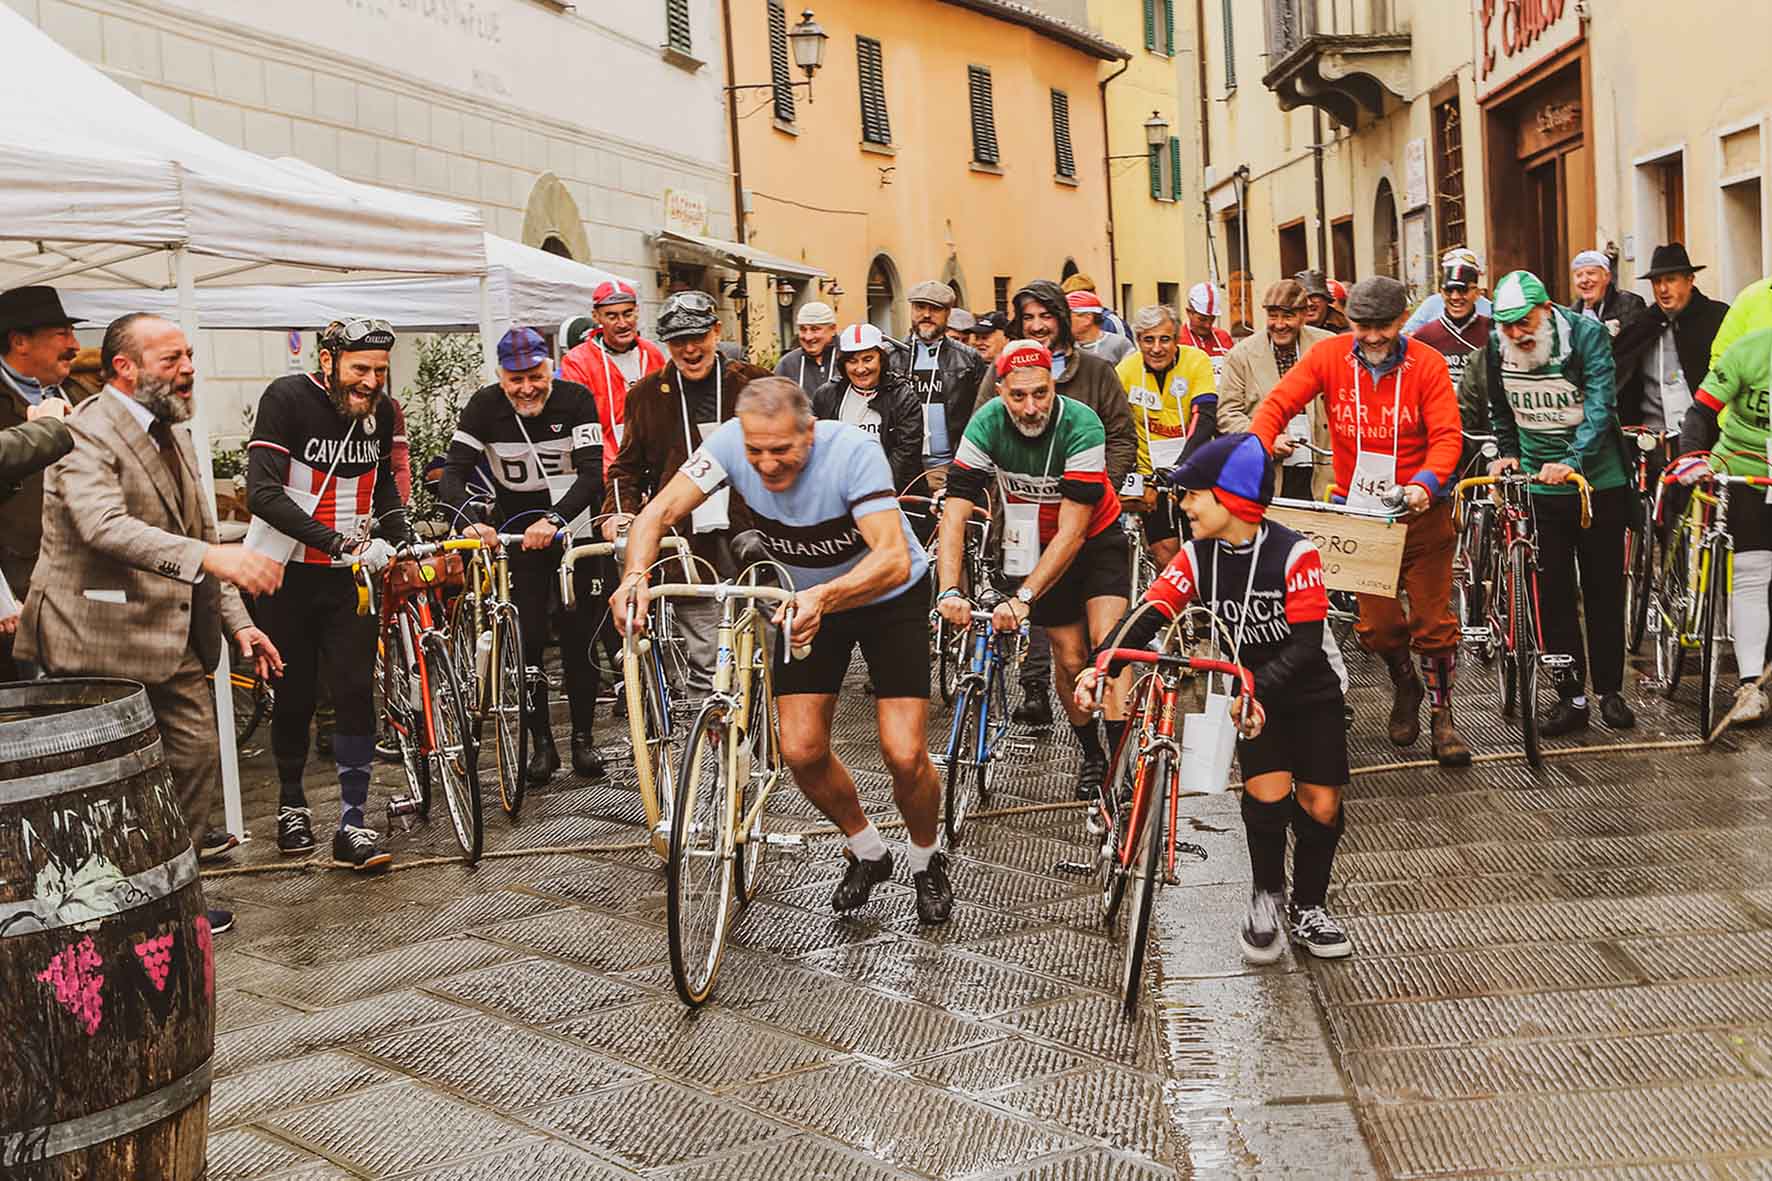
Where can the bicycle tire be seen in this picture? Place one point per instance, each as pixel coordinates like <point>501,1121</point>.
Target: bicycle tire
<point>508,700</point>
<point>1501,636</point>
<point>1122,778</point>
<point>1150,855</point>
<point>1710,610</point>
<point>405,725</point>
<point>697,941</point>
<point>964,772</point>
<point>250,706</point>
<point>1639,565</point>
<point>950,658</point>
<point>650,732</point>
<point>464,654</point>
<point>455,759</point>
<point>1526,655</point>
<point>1672,614</point>
<point>752,859</point>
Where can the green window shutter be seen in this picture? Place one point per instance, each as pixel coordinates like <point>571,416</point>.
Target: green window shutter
<point>779,77</point>
<point>1230,48</point>
<point>876,125</point>
<point>1175,167</point>
<point>677,25</point>
<point>1150,24</point>
<point>1064,155</point>
<point>984,117</point>
<point>1156,170</point>
<point>1169,27</point>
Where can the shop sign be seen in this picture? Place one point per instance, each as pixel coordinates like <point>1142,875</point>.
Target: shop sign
<point>686,213</point>
<point>1512,36</point>
<point>1415,173</point>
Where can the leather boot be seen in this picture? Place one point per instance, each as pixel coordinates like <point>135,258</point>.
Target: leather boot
<point>586,762</point>
<point>1405,721</point>
<point>1449,748</point>
<point>544,758</point>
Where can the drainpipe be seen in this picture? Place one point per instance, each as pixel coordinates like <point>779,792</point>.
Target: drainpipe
<point>1107,174</point>
<point>1212,270</point>
<point>1324,262</point>
<point>738,219</point>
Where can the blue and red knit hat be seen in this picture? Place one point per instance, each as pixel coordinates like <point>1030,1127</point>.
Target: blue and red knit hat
<point>1237,469</point>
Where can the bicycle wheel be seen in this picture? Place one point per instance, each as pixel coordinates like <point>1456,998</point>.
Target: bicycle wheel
<point>760,761</point>
<point>464,654</point>
<point>950,655</point>
<point>965,774</point>
<point>402,703</point>
<point>651,731</point>
<point>1149,861</point>
<point>1673,615</point>
<point>1711,609</point>
<point>1525,645</point>
<point>454,760</point>
<point>1639,578</point>
<point>698,886</point>
<point>1467,570</point>
<point>509,705</point>
<point>1116,803</point>
<point>251,698</point>
<point>1501,635</point>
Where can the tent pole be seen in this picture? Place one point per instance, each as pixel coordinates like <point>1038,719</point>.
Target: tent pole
<point>488,332</point>
<point>224,702</point>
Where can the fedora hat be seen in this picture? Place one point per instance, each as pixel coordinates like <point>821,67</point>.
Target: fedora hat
<point>33,307</point>
<point>1669,259</point>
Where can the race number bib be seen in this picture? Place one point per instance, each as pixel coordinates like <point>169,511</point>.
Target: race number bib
<point>1375,473</point>
<point>1133,488</point>
<point>713,514</point>
<point>1021,539</point>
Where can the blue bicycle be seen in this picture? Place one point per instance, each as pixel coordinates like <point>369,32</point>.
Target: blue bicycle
<point>981,717</point>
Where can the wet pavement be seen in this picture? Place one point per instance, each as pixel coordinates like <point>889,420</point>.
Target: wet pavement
<point>1560,973</point>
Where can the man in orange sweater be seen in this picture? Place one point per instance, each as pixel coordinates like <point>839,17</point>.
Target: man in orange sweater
<point>1393,420</point>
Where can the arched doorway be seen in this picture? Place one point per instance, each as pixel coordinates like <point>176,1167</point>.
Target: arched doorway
<point>1385,232</point>
<point>553,245</point>
<point>551,213</point>
<point>883,299</point>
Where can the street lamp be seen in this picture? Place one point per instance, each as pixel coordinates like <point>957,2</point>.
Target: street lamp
<point>1156,134</point>
<point>806,41</point>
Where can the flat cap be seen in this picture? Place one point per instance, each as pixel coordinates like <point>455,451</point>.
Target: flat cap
<point>1377,300</point>
<point>1287,293</point>
<point>935,292</point>
<point>961,320</point>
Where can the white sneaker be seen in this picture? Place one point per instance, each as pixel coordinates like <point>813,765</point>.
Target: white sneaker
<point>1750,704</point>
<point>1260,935</point>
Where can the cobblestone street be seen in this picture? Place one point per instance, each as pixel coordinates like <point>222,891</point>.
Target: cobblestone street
<point>1558,973</point>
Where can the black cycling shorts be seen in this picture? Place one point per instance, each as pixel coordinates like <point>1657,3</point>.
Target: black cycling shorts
<point>894,639</point>
<point>1099,570</point>
<point>1161,522</point>
<point>1308,743</point>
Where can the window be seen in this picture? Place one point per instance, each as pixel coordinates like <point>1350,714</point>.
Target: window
<point>984,115</point>
<point>1294,248</point>
<point>1449,174</point>
<point>1169,295</point>
<point>1159,26</point>
<point>876,128</point>
<point>1384,232</point>
<point>1000,294</point>
<point>677,25</point>
<point>1164,167</point>
<point>1341,245</point>
<point>1126,299</point>
<point>1670,187</point>
<point>779,75</point>
<point>1230,48</point>
<point>1064,158</point>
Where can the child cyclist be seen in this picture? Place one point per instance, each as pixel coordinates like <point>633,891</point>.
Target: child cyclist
<point>1264,582</point>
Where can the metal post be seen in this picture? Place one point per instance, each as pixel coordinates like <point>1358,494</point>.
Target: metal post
<point>489,333</point>
<point>224,698</point>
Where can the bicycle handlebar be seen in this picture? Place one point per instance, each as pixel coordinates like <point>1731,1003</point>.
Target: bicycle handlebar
<point>1342,510</point>
<point>1581,486</point>
<point>939,501</point>
<point>721,591</point>
<point>1193,663</point>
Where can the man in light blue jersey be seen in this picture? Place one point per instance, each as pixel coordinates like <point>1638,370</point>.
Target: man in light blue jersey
<point>821,495</point>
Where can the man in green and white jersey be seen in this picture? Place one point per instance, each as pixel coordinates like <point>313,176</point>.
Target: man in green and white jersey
<point>1741,444</point>
<point>1048,456</point>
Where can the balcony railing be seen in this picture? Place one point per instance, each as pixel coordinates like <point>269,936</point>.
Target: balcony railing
<point>1340,55</point>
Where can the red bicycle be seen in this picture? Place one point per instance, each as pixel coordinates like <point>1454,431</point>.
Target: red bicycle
<point>1132,822</point>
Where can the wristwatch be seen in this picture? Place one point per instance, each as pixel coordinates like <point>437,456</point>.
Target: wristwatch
<point>1025,597</point>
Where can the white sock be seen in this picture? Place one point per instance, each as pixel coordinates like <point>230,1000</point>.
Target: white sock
<point>868,844</point>
<point>918,856</point>
<point>1749,611</point>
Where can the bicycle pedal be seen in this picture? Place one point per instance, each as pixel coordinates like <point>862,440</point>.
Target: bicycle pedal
<point>784,840</point>
<point>1080,869</point>
<point>1020,746</point>
<point>1556,660</point>
<point>940,760</point>
<point>1476,634</point>
<point>403,811</point>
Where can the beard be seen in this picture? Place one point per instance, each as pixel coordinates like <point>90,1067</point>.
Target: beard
<point>340,395</point>
<point>165,397</point>
<point>1032,427</point>
<point>1530,353</point>
<point>1377,354</point>
<point>929,333</point>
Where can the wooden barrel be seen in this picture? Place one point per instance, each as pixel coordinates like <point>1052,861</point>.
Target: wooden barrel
<point>107,974</point>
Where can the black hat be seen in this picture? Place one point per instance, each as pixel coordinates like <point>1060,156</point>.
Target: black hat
<point>687,313</point>
<point>989,322</point>
<point>1669,259</point>
<point>1313,283</point>
<point>33,307</point>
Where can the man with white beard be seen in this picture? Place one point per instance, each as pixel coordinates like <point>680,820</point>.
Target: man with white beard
<point>1547,377</point>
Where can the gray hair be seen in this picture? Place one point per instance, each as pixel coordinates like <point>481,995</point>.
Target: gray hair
<point>770,396</point>
<point>1151,316</point>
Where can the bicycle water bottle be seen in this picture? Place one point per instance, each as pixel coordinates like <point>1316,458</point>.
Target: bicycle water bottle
<point>483,656</point>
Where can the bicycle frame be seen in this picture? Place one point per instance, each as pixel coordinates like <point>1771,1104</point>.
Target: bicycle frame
<point>986,675</point>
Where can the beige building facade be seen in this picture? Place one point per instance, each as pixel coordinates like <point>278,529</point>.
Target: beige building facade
<point>958,140</point>
<point>579,130</point>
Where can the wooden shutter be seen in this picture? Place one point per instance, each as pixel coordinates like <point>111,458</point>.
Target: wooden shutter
<point>1065,158</point>
<point>984,115</point>
<point>876,128</point>
<point>677,25</point>
<point>1230,48</point>
<point>1169,27</point>
<point>779,62</point>
<point>1175,167</point>
<point>1156,170</point>
<point>1150,24</point>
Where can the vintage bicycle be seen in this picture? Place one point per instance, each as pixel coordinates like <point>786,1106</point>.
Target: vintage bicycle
<point>486,646</point>
<point>980,726</point>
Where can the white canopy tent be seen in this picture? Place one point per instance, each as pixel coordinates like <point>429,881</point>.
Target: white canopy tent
<point>525,286</point>
<point>104,189</point>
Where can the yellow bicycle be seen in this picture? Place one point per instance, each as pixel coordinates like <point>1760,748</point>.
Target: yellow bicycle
<point>486,647</point>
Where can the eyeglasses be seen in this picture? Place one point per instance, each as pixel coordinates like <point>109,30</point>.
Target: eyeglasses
<point>361,332</point>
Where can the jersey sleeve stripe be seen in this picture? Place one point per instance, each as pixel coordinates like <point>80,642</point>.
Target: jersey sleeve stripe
<point>971,455</point>
<point>866,497</point>
<point>1709,400</point>
<point>461,436</point>
<point>1089,459</point>
<point>268,444</point>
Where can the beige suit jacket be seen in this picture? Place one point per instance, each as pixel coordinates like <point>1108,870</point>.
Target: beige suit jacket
<point>1251,375</point>
<point>119,589</point>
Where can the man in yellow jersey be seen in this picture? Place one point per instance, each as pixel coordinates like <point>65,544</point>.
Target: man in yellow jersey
<point>1174,400</point>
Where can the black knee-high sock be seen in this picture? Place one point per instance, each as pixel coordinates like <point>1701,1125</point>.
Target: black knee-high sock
<point>1089,738</point>
<point>1314,856</point>
<point>1265,827</point>
<point>1115,732</point>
